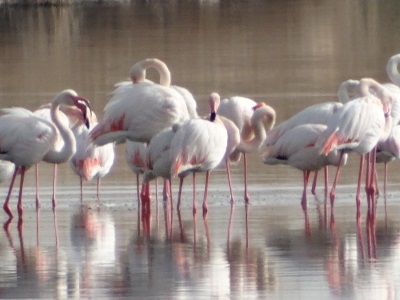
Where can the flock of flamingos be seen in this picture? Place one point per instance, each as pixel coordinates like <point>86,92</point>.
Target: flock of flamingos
<point>166,138</point>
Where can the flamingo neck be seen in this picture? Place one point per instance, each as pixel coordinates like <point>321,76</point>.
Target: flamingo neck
<point>346,88</point>
<point>69,147</point>
<point>259,129</point>
<point>392,69</point>
<point>138,71</point>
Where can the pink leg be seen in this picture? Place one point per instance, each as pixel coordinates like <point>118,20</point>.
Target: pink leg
<point>358,193</point>
<point>385,179</point>
<point>194,194</point>
<point>326,174</point>
<point>6,205</point>
<point>166,190</point>
<point>246,194</point>
<point>335,180</point>
<point>228,173</point>
<point>205,206</point>
<point>314,183</point>
<point>156,190</point>
<point>372,185</point>
<point>54,200</point>
<point>306,176</point>
<point>178,205</point>
<point>138,189</point>
<point>81,183</point>
<point>37,186</point>
<point>21,186</point>
<point>98,189</point>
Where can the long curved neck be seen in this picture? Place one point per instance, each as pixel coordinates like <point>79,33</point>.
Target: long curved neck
<point>259,128</point>
<point>392,70</point>
<point>138,71</point>
<point>346,86</point>
<point>69,147</point>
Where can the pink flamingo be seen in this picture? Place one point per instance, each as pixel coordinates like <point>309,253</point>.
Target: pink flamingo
<point>315,114</point>
<point>388,150</point>
<point>68,116</point>
<point>139,110</point>
<point>296,148</point>
<point>26,139</point>
<point>199,146</point>
<point>357,127</point>
<point>241,112</point>
<point>90,161</point>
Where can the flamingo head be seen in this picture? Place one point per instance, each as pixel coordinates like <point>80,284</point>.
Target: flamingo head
<point>214,103</point>
<point>83,105</point>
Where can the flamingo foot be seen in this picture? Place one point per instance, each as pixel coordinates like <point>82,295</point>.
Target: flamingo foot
<point>205,210</point>
<point>246,198</point>
<point>37,202</point>
<point>20,210</point>
<point>313,191</point>
<point>7,209</point>
<point>54,201</point>
<point>332,196</point>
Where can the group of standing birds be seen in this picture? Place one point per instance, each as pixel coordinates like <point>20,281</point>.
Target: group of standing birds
<point>166,138</point>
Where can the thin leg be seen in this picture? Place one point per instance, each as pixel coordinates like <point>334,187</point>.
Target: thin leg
<point>6,205</point>
<point>178,205</point>
<point>314,183</point>
<point>81,183</point>
<point>228,173</point>
<point>335,180</point>
<point>205,205</point>
<point>385,179</point>
<point>246,194</point>
<point>326,177</point>
<point>37,185</point>
<point>358,193</point>
<point>21,186</point>
<point>54,200</point>
<point>194,193</point>
<point>306,176</point>
<point>98,189</point>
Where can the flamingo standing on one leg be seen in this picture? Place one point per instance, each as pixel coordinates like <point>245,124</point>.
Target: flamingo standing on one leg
<point>90,161</point>
<point>26,139</point>
<point>199,146</point>
<point>240,111</point>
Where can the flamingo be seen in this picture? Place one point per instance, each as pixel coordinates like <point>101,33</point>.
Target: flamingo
<point>296,148</point>
<point>139,110</point>
<point>199,146</point>
<point>90,161</point>
<point>44,112</point>
<point>240,111</point>
<point>26,139</point>
<point>388,151</point>
<point>357,127</point>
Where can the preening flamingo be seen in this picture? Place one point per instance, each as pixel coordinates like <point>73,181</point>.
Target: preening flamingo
<point>315,114</point>
<point>357,127</point>
<point>26,139</point>
<point>199,146</point>
<point>90,161</point>
<point>139,110</point>
<point>242,111</point>
<point>296,148</point>
<point>388,150</point>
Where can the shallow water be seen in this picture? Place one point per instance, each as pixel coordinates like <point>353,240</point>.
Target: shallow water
<point>289,54</point>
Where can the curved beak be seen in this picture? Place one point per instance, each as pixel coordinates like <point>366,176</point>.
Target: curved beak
<point>83,104</point>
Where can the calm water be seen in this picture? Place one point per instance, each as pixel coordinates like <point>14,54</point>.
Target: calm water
<point>288,53</point>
